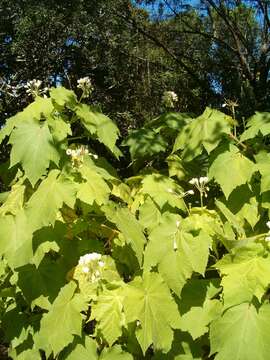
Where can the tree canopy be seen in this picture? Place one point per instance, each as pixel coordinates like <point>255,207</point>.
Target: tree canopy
<point>206,51</point>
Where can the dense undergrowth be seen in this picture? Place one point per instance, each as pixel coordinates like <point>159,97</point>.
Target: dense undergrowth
<point>171,263</point>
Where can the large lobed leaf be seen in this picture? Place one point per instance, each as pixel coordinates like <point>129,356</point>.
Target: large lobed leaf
<point>242,333</point>
<point>230,168</point>
<point>176,250</point>
<point>246,273</point>
<point>258,123</point>
<point>100,125</point>
<point>16,238</point>
<point>108,312</point>
<point>33,147</point>
<point>148,302</point>
<point>62,322</point>
<point>132,230</point>
<point>206,131</point>
<point>50,196</point>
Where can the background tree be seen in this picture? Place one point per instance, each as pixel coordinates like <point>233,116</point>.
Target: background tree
<point>206,52</point>
<point>236,61</point>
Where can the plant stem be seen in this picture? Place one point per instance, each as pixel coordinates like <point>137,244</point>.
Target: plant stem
<point>201,198</point>
<point>232,136</point>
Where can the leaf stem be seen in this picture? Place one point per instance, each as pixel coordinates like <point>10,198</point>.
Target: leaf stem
<point>201,198</point>
<point>238,142</point>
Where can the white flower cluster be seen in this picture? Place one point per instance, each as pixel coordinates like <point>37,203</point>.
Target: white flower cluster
<point>86,86</point>
<point>200,184</point>
<point>189,192</point>
<point>91,265</point>
<point>267,238</point>
<point>11,90</point>
<point>34,88</point>
<point>77,152</point>
<point>169,99</point>
<point>77,155</point>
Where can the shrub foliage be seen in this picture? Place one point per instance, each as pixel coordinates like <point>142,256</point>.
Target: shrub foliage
<point>171,263</point>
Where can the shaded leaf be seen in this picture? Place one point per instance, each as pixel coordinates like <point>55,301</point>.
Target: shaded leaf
<point>205,131</point>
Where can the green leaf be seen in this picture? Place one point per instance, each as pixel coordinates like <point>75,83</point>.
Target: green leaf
<point>150,215</point>
<point>100,125</point>
<point>115,353</point>
<point>196,306</point>
<point>130,228</point>
<point>107,311</point>
<point>256,124</point>
<point>50,196</point>
<point>14,202</point>
<point>94,188</point>
<point>242,333</point>
<point>176,250</point>
<point>16,239</point>
<point>245,274</point>
<point>163,190</point>
<point>262,165</point>
<point>62,322</point>
<point>41,107</point>
<point>205,131</point>
<point>46,280</point>
<point>183,348</point>
<point>196,320</point>
<point>33,147</point>
<point>29,354</point>
<point>149,302</point>
<point>59,128</point>
<point>243,204</point>
<point>13,315</point>
<point>230,168</point>
<point>144,143</point>
<point>175,167</point>
<point>171,120</point>
<point>63,98</point>
<point>232,219</point>
<point>196,292</point>
<point>80,349</point>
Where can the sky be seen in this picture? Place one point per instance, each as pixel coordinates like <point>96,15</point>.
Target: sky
<point>153,8</point>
